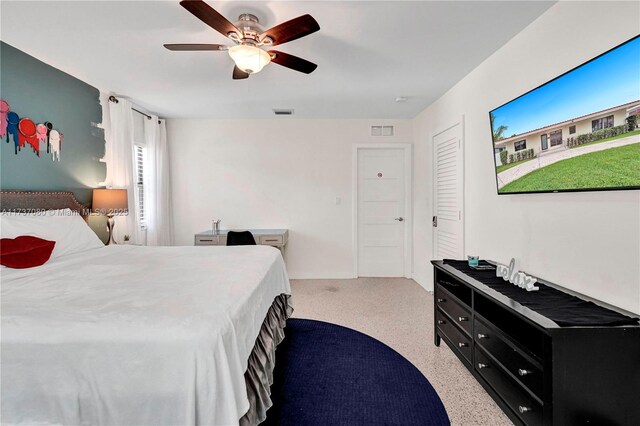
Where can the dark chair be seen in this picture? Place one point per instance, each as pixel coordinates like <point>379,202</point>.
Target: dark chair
<point>240,238</point>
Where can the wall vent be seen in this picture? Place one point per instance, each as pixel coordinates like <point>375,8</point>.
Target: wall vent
<point>283,111</point>
<point>382,130</point>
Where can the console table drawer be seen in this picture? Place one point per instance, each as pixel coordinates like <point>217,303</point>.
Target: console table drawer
<point>512,359</point>
<point>271,240</point>
<point>458,313</point>
<point>214,240</point>
<point>461,343</point>
<point>522,404</point>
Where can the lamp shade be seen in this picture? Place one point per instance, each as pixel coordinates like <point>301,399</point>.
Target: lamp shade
<point>110,201</point>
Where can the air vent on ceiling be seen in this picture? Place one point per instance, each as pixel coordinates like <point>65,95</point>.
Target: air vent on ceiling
<point>381,130</point>
<point>283,111</point>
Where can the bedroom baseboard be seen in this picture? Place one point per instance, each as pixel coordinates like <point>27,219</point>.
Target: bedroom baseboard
<point>329,277</point>
<point>321,276</point>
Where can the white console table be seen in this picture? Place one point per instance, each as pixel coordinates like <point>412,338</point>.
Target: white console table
<point>267,237</point>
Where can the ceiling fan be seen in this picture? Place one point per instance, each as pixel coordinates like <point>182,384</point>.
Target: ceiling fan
<point>250,38</point>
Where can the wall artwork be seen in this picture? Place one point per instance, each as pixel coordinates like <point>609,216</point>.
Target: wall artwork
<point>25,131</point>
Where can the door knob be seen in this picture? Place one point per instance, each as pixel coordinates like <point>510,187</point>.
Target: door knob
<point>399,219</point>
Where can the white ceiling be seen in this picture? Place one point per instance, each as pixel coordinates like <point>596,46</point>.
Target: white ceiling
<point>368,53</point>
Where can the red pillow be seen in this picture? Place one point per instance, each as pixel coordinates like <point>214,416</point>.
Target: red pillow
<point>25,251</point>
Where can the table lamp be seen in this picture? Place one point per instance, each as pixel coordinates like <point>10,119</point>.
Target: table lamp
<point>110,202</point>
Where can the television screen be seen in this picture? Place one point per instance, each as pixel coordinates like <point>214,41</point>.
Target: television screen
<point>578,132</point>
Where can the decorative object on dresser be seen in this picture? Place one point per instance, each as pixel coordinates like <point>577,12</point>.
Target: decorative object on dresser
<point>110,202</point>
<point>515,277</point>
<point>549,357</point>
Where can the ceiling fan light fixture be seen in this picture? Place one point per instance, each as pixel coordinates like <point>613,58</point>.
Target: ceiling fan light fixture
<point>249,59</point>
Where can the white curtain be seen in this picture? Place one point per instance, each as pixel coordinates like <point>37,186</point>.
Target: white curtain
<point>158,195</point>
<point>120,168</point>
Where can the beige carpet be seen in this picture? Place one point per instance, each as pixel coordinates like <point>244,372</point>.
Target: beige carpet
<point>399,313</point>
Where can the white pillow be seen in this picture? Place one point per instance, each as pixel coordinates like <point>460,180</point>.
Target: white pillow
<point>67,228</point>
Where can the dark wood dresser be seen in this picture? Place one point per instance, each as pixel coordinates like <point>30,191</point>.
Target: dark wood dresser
<point>538,372</point>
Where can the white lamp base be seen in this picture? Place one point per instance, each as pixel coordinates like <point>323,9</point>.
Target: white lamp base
<point>111,223</point>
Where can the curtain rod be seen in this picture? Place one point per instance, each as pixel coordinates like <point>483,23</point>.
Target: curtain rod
<point>114,99</point>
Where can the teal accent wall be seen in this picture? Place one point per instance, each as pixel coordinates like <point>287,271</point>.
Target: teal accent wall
<point>42,93</point>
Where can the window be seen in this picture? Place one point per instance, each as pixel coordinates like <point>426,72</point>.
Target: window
<point>520,145</point>
<point>602,123</point>
<point>140,193</point>
<point>572,129</point>
<point>555,137</point>
<point>140,157</point>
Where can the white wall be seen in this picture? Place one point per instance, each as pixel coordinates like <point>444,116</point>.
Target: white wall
<point>280,173</point>
<point>588,242</point>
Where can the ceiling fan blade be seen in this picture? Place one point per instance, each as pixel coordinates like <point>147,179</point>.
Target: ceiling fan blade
<point>292,62</point>
<point>238,74</point>
<point>210,16</point>
<point>291,30</point>
<point>195,47</point>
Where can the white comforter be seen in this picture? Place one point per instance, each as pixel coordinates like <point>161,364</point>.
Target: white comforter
<point>127,335</point>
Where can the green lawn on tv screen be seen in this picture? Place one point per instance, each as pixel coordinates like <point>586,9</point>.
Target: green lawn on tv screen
<point>611,168</point>
<point>504,167</point>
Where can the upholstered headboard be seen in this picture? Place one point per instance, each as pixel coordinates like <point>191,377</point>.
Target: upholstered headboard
<point>33,201</point>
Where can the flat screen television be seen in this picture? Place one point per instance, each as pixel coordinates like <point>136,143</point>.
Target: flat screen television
<point>578,132</point>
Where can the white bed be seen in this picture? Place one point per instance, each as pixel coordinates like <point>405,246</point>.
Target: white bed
<point>127,335</point>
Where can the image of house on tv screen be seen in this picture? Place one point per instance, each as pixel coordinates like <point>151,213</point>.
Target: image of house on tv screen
<point>577,132</point>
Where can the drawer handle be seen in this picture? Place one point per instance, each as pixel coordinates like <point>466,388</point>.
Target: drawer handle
<point>205,240</point>
<point>524,409</point>
<point>483,336</point>
<point>481,366</point>
<point>441,322</point>
<point>523,372</point>
<point>463,344</point>
<point>463,319</point>
<point>272,241</point>
<point>441,300</point>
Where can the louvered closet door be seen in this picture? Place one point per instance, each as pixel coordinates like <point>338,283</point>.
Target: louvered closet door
<point>448,231</point>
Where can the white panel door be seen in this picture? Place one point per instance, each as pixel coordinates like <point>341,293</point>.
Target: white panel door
<point>381,204</point>
<point>448,231</point>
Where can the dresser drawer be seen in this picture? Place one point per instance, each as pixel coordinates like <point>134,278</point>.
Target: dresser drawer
<point>520,402</point>
<point>271,240</point>
<point>461,343</point>
<point>211,240</point>
<point>458,313</point>
<point>528,373</point>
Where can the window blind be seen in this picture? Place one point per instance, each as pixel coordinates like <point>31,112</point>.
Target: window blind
<point>140,154</point>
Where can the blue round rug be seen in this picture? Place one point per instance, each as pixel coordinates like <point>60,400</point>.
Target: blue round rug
<point>327,374</point>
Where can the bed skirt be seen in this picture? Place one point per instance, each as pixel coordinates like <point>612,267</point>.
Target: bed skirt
<point>259,374</point>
